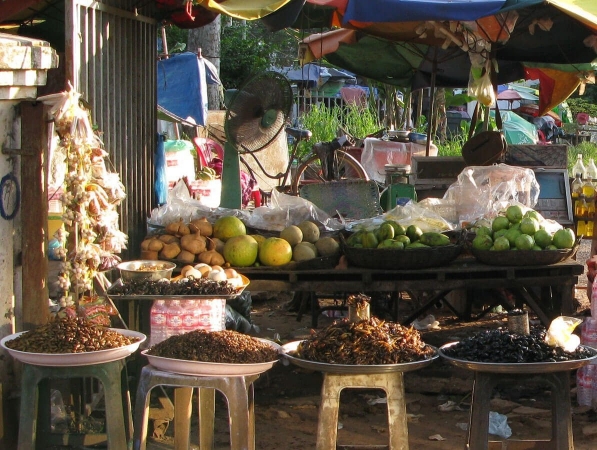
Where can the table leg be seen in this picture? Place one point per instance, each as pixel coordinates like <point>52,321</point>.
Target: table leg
<point>183,407</point>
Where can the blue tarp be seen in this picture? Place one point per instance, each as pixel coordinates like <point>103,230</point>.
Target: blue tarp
<point>182,86</point>
<point>415,10</point>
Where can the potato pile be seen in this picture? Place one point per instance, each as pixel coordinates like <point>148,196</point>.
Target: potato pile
<point>187,243</point>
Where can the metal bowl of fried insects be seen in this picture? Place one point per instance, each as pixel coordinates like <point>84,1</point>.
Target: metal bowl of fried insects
<point>146,269</point>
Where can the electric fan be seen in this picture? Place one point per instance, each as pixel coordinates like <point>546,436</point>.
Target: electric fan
<point>256,115</point>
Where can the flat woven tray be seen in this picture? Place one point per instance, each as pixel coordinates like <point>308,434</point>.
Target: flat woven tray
<point>524,257</point>
<point>392,259</point>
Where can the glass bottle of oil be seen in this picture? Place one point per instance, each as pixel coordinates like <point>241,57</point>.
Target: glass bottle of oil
<point>576,187</point>
<point>579,167</point>
<point>581,208</point>
<point>581,228</point>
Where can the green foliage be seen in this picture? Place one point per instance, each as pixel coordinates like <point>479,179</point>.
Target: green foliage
<point>586,149</point>
<point>247,47</point>
<point>324,122</point>
<point>176,38</point>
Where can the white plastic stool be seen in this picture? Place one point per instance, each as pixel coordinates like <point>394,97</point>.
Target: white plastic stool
<point>391,382</point>
<point>239,394</point>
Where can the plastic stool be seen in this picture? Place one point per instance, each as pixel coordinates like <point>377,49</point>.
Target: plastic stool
<point>392,383</point>
<point>561,417</point>
<point>239,394</point>
<point>112,375</point>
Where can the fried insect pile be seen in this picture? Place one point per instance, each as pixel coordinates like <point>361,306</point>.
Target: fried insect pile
<point>69,335</point>
<point>501,346</point>
<point>366,342</point>
<point>227,346</point>
<point>184,286</point>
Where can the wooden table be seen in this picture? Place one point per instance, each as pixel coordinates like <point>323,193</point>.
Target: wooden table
<point>555,283</point>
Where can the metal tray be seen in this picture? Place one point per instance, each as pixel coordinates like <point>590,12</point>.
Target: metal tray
<point>75,359</point>
<point>517,368</point>
<point>351,369</point>
<point>174,297</point>
<point>200,368</point>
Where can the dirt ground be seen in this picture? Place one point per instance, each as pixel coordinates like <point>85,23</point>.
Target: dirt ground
<point>438,396</point>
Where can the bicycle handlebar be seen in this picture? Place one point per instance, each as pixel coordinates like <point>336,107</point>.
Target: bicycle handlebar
<point>299,133</point>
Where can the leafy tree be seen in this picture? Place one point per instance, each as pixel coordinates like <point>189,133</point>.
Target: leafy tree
<point>249,48</point>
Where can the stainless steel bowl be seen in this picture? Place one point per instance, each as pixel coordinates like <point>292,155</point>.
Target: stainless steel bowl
<point>146,269</point>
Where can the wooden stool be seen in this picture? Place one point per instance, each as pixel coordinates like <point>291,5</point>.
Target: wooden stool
<point>333,383</point>
<point>239,394</point>
<point>561,417</point>
<point>35,385</point>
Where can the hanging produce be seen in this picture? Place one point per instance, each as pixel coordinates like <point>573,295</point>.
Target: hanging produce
<point>91,194</point>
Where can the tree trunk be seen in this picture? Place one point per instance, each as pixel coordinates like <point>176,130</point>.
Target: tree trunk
<point>207,40</point>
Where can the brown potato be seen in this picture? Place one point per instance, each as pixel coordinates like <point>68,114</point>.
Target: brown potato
<point>193,243</point>
<point>155,245</point>
<point>211,257</point>
<point>177,228</point>
<point>202,226</point>
<point>170,251</point>
<point>186,257</point>
<point>168,238</point>
<point>148,254</point>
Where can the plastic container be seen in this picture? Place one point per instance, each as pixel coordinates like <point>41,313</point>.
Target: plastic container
<point>157,318</point>
<point>212,314</point>
<point>190,317</point>
<point>174,316</point>
<point>584,385</point>
<point>588,332</point>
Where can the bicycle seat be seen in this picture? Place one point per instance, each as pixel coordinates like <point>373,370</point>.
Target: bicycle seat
<point>299,133</point>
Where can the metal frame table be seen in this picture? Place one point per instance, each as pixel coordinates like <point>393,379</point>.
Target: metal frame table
<point>556,282</point>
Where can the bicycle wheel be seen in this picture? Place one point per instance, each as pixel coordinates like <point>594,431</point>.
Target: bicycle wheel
<point>310,171</point>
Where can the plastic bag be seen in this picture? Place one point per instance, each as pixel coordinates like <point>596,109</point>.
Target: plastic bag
<point>560,333</point>
<point>480,87</point>
<point>181,205</point>
<point>482,191</point>
<point>288,210</point>
<point>412,213</point>
<point>498,425</point>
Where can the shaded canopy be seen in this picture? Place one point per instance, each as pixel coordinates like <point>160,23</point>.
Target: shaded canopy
<point>551,40</point>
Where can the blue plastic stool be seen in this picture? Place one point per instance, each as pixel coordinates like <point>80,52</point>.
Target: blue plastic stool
<point>35,385</point>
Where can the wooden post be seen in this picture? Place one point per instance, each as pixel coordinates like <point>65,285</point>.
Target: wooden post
<point>34,214</point>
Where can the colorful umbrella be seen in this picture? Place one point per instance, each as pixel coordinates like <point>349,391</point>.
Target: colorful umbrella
<point>517,130</point>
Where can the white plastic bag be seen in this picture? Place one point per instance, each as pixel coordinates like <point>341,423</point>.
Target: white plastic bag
<point>498,425</point>
<point>560,333</point>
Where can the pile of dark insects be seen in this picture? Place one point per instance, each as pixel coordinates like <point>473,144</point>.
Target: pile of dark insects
<point>366,342</point>
<point>227,346</point>
<point>69,335</point>
<point>184,286</point>
<point>502,346</point>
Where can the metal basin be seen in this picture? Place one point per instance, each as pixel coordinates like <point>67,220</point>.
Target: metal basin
<point>146,269</point>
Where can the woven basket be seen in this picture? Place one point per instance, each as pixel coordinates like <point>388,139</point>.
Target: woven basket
<point>524,257</point>
<point>392,259</point>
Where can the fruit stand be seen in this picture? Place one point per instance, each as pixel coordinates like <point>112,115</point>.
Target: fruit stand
<point>556,283</point>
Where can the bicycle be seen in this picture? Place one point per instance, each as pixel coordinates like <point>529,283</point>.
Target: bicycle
<point>311,169</point>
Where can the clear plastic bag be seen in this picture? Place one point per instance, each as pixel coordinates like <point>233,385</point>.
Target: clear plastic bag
<point>482,191</point>
<point>480,87</point>
<point>560,333</point>
<point>286,210</point>
<point>412,213</point>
